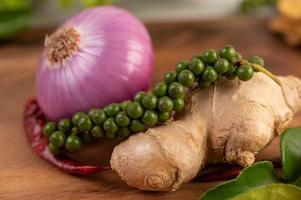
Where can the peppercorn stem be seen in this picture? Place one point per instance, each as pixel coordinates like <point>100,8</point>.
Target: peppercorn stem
<point>260,68</point>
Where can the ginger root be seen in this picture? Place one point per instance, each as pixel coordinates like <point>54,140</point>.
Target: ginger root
<point>230,122</point>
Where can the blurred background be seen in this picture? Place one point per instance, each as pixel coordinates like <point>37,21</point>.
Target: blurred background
<point>16,16</point>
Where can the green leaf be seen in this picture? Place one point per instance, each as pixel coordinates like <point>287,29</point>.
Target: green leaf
<point>251,5</point>
<point>66,3</point>
<point>272,192</point>
<point>258,175</point>
<point>12,23</point>
<point>298,182</point>
<point>91,3</point>
<point>291,153</point>
<point>13,5</point>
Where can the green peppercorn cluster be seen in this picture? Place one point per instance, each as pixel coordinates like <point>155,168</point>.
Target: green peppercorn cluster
<point>148,109</point>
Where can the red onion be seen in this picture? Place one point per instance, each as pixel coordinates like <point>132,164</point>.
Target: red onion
<point>99,56</point>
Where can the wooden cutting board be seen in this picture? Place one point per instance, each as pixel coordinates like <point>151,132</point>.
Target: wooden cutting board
<point>25,176</point>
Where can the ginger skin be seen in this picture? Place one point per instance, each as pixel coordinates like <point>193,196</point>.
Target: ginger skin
<point>230,122</point>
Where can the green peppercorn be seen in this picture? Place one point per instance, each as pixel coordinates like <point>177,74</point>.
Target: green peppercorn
<point>178,104</point>
<point>238,57</point>
<point>49,128</point>
<point>150,101</point>
<point>228,52</point>
<point>245,72</point>
<point>54,150</point>
<point>186,78</point>
<point>219,77</point>
<point>112,109</point>
<point>170,77</point>
<point>122,119</point>
<point>159,89</point>
<point>135,110</point>
<point>110,136</point>
<point>182,65</point>
<point>204,84</point>
<point>123,132</point>
<point>87,138</point>
<point>110,126</point>
<point>139,96</point>
<point>221,66</point>
<point>209,74</point>
<point>74,131</point>
<point>97,132</point>
<point>164,116</point>
<point>149,118</point>
<point>65,125</point>
<point>125,104</point>
<point>57,139</point>
<point>98,116</point>
<point>210,56</point>
<point>76,117</point>
<point>73,143</point>
<point>197,56</point>
<point>197,67</point>
<point>176,90</point>
<point>165,104</point>
<point>231,73</point>
<point>136,126</point>
<point>256,60</point>
<point>84,123</point>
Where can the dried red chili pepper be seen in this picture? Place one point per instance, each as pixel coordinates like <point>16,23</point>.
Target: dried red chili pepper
<point>220,172</point>
<point>34,121</point>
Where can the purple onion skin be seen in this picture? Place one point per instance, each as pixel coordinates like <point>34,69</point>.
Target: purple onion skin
<point>114,61</point>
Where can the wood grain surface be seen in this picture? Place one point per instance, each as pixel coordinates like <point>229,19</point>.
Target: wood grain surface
<point>25,176</point>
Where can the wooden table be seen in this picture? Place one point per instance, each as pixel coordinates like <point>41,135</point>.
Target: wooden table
<point>25,176</point>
